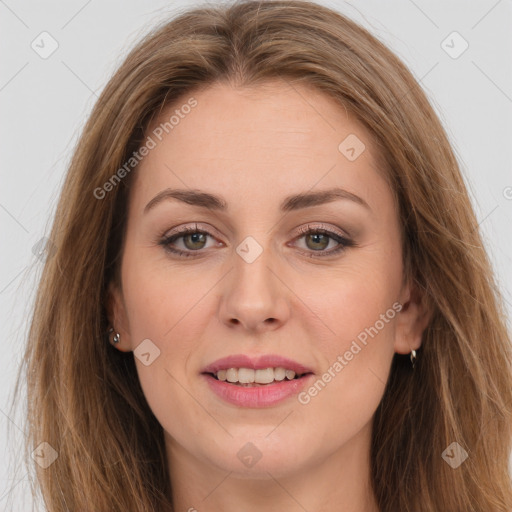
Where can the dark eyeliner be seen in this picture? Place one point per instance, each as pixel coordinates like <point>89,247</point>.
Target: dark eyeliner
<point>166,241</point>
<point>343,241</point>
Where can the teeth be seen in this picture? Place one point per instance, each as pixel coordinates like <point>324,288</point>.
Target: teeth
<point>246,375</point>
<point>279,373</point>
<point>232,375</point>
<point>290,374</point>
<point>249,376</point>
<point>265,376</point>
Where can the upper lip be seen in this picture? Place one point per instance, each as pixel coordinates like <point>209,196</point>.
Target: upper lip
<point>257,363</point>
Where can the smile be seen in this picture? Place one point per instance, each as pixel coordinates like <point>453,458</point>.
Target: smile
<point>252,377</point>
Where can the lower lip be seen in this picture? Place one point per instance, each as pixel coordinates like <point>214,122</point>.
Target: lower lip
<point>257,396</point>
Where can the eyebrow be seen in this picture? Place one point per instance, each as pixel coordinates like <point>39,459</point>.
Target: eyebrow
<point>290,203</point>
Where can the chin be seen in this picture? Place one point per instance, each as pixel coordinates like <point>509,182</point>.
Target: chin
<point>255,456</point>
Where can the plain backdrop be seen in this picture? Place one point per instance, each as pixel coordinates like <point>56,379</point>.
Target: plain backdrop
<point>44,103</point>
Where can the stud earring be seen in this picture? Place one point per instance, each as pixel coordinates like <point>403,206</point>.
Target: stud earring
<point>116,337</point>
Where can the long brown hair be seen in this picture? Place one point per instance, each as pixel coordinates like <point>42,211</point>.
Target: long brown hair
<point>84,398</point>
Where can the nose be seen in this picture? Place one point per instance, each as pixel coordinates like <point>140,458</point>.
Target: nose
<point>254,297</point>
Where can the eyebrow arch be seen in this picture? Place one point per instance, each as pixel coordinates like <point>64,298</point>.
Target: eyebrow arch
<point>290,203</point>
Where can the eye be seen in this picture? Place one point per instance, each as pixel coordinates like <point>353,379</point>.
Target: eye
<point>194,240</point>
<point>318,239</point>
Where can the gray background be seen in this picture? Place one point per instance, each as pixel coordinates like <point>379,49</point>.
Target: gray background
<point>45,102</point>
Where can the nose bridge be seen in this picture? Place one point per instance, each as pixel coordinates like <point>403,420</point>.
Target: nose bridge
<point>253,295</point>
<point>252,277</point>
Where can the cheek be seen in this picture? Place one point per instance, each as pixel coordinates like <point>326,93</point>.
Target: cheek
<point>164,307</point>
<point>352,299</point>
<point>355,369</point>
<point>161,301</point>
<point>163,312</point>
<point>358,309</point>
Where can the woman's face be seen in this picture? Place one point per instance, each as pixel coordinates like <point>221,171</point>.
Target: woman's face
<point>252,283</point>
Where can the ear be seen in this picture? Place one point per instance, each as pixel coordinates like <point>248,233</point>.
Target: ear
<point>412,319</point>
<point>117,318</point>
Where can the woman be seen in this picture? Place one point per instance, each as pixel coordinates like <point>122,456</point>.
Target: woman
<point>268,289</point>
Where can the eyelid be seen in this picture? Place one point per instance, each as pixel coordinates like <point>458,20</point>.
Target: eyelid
<point>310,226</point>
<point>194,226</point>
<point>300,231</point>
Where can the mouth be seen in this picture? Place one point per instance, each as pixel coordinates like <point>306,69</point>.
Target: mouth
<point>255,381</point>
<point>249,377</point>
<point>257,387</point>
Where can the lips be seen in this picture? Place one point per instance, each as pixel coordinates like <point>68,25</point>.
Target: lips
<point>256,363</point>
<point>268,368</point>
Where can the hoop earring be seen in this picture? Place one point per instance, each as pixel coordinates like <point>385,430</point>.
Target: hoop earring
<point>413,358</point>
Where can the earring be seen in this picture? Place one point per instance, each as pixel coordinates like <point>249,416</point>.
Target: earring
<point>116,338</point>
<point>413,358</point>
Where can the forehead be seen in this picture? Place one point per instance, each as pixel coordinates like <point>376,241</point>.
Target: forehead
<point>277,136</point>
<point>273,112</point>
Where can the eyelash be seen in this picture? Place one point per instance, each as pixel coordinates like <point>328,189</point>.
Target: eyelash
<point>343,241</point>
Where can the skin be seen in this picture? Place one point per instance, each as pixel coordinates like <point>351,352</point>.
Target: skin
<point>281,141</point>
